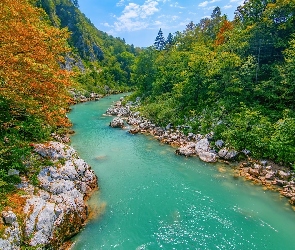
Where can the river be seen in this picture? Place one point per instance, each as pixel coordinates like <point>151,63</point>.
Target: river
<point>149,198</point>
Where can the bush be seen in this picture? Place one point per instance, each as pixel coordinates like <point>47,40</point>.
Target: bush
<point>282,143</point>
<point>249,129</point>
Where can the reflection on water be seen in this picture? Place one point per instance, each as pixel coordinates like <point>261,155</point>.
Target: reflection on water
<point>150,198</point>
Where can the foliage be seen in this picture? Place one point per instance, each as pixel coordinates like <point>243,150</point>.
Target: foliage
<point>235,78</point>
<point>249,130</point>
<point>160,42</point>
<point>33,87</point>
<point>31,77</point>
<point>103,59</point>
<point>282,144</point>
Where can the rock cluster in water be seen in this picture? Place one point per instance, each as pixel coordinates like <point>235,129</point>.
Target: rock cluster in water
<point>269,175</point>
<point>188,145</point>
<point>56,209</point>
<point>79,96</point>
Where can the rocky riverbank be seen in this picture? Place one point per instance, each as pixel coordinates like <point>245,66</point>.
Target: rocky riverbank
<point>81,96</point>
<point>268,174</point>
<point>46,215</point>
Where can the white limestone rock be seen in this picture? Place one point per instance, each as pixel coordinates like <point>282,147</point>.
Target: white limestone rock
<point>203,150</point>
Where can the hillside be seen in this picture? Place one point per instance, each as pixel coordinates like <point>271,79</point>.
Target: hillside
<point>43,55</point>
<point>103,62</point>
<point>232,78</point>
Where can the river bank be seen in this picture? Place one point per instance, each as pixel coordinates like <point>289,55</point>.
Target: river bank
<point>155,199</point>
<point>266,173</point>
<point>48,212</point>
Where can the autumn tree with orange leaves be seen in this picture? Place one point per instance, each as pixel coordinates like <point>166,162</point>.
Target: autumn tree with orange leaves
<point>33,87</point>
<point>31,51</point>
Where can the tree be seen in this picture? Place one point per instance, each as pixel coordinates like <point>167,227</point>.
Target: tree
<point>144,71</point>
<point>169,40</point>
<point>216,13</point>
<point>31,51</point>
<point>76,4</point>
<point>190,27</point>
<point>160,43</point>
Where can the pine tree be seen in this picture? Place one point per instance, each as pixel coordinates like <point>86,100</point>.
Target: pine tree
<point>76,4</point>
<point>169,39</point>
<point>190,27</point>
<point>160,43</point>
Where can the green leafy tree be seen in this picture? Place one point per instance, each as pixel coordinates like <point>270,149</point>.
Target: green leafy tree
<point>144,71</point>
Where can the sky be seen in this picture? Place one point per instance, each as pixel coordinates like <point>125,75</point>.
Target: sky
<point>138,21</point>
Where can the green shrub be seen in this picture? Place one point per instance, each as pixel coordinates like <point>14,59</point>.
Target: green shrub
<point>282,143</point>
<point>249,129</point>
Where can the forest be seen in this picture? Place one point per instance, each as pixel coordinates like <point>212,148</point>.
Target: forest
<point>48,47</point>
<point>233,78</point>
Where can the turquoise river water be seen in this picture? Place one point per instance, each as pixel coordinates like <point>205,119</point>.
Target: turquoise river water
<point>149,198</point>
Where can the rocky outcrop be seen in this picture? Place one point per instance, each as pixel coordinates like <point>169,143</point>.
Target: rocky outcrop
<point>227,154</point>
<point>188,145</point>
<point>82,96</point>
<point>203,150</point>
<point>187,150</point>
<point>12,233</point>
<point>117,123</point>
<point>119,110</point>
<point>271,176</point>
<point>56,209</point>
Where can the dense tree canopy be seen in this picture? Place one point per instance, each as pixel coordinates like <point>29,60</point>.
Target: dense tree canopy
<point>33,87</point>
<point>235,78</point>
<point>99,53</point>
<point>30,53</point>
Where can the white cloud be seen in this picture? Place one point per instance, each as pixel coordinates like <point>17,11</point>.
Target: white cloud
<point>176,5</point>
<point>227,6</point>
<point>240,2</point>
<point>106,24</point>
<point>158,23</point>
<point>203,4</point>
<point>120,3</point>
<point>134,15</point>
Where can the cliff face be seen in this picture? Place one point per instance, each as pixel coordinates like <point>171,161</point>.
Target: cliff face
<point>100,58</point>
<point>56,209</point>
<point>85,38</point>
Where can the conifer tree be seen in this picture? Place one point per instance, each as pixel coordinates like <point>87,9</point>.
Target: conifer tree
<point>76,4</point>
<point>169,39</point>
<point>160,43</point>
<point>191,26</point>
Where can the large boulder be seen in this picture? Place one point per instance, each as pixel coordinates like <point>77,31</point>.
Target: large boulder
<point>12,233</point>
<point>219,143</point>
<point>208,156</point>
<point>202,145</point>
<point>56,210</point>
<point>204,151</point>
<point>117,123</point>
<point>227,154</point>
<point>186,150</point>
